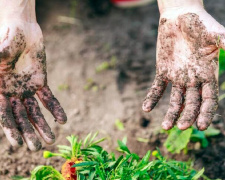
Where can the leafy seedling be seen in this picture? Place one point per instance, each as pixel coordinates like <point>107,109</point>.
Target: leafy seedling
<point>119,124</point>
<point>201,136</point>
<point>86,160</point>
<point>63,87</point>
<point>178,140</point>
<point>221,61</point>
<point>107,65</point>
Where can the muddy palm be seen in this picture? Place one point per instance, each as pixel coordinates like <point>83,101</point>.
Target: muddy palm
<point>188,45</point>
<point>22,75</point>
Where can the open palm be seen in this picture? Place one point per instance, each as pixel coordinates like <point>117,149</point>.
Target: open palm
<point>187,56</point>
<point>22,75</point>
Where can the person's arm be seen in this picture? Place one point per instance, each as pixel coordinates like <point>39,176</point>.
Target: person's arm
<point>22,75</point>
<point>178,5</point>
<point>22,10</point>
<point>188,45</point>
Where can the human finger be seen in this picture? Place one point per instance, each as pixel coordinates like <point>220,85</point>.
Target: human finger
<point>24,126</point>
<point>7,122</point>
<point>155,93</point>
<point>191,110</point>
<point>175,107</point>
<point>37,119</point>
<point>52,104</point>
<point>209,105</point>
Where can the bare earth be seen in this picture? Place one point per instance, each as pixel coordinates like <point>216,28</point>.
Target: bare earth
<point>74,52</point>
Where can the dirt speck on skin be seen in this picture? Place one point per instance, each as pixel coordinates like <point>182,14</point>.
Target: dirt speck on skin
<point>73,52</point>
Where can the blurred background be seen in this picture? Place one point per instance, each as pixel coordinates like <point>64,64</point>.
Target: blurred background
<point>101,62</point>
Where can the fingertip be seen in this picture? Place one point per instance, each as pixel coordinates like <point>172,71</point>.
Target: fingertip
<point>50,141</point>
<point>202,127</point>
<point>154,94</point>
<point>49,138</point>
<point>61,119</point>
<point>183,125</point>
<point>146,106</point>
<point>34,144</point>
<point>167,125</point>
<point>16,142</point>
<point>203,123</point>
<point>14,138</point>
<point>38,120</point>
<point>52,104</point>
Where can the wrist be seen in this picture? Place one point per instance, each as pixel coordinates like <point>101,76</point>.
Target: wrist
<point>174,5</point>
<point>22,10</point>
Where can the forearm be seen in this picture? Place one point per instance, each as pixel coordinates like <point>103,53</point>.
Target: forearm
<point>17,9</point>
<point>165,5</point>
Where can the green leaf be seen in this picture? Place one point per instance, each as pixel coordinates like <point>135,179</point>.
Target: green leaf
<point>123,147</point>
<point>88,163</point>
<point>142,140</point>
<point>124,140</point>
<point>85,142</point>
<point>110,164</point>
<point>119,125</point>
<point>221,62</point>
<point>65,152</point>
<point>197,135</point>
<point>205,143</point>
<point>91,175</point>
<point>19,178</point>
<point>100,173</point>
<point>211,132</point>
<point>103,66</point>
<point>135,156</point>
<point>93,137</point>
<point>62,87</point>
<point>221,97</point>
<point>178,140</point>
<point>172,174</point>
<point>45,173</point>
<point>146,158</point>
<point>98,141</point>
<point>118,161</point>
<point>64,147</point>
<point>198,175</point>
<point>222,86</point>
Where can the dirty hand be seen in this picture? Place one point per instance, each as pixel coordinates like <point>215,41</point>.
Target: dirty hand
<point>188,45</point>
<point>22,75</point>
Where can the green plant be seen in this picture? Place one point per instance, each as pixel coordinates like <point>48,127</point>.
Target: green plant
<point>107,65</point>
<point>91,162</point>
<point>119,124</point>
<point>63,87</point>
<point>129,166</point>
<point>221,61</point>
<point>75,148</point>
<point>73,5</point>
<point>222,70</point>
<point>42,173</point>
<point>178,140</point>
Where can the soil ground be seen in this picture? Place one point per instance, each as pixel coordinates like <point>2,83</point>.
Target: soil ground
<point>74,52</point>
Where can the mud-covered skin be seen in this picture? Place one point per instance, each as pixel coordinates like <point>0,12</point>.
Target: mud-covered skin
<point>187,56</point>
<point>37,119</point>
<point>15,81</point>
<point>52,104</point>
<point>22,75</point>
